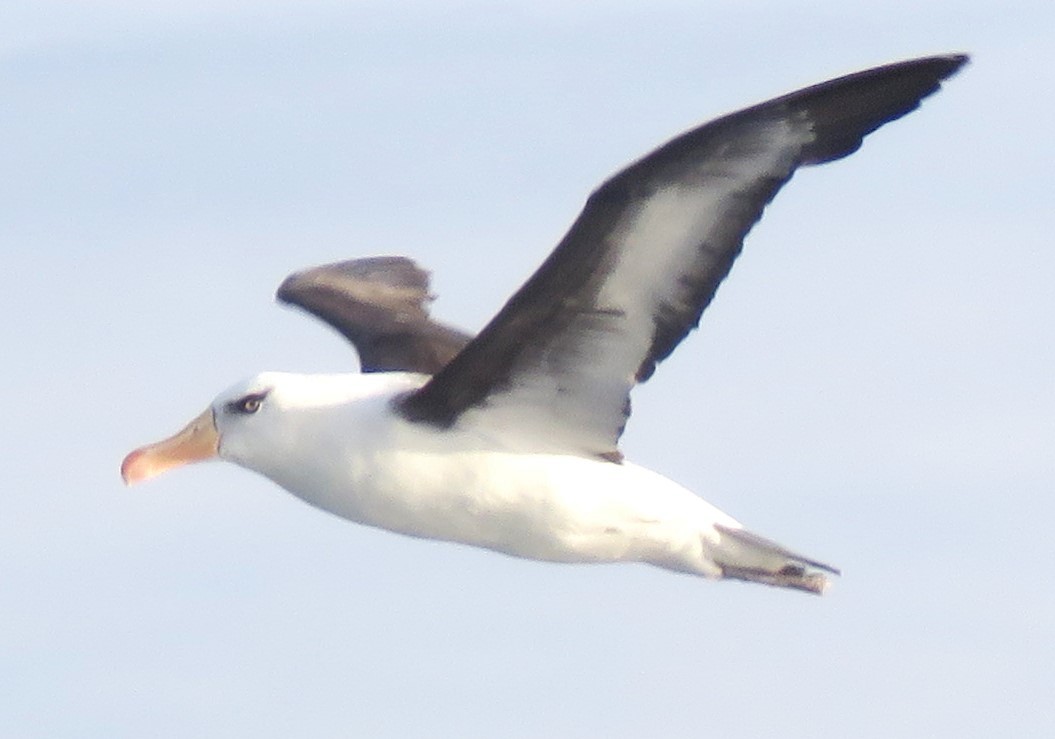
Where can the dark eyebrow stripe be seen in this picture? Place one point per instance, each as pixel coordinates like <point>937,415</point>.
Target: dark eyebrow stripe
<point>235,406</point>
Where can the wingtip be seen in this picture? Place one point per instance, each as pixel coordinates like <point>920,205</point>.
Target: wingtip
<point>953,62</point>
<point>282,294</point>
<point>940,67</point>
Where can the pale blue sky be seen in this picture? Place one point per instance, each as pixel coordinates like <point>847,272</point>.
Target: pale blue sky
<point>873,386</point>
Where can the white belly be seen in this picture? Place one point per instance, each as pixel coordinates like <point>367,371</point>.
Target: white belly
<point>335,442</point>
<point>550,507</point>
<point>457,485</point>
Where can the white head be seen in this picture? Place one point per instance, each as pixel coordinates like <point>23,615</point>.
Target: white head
<point>254,424</point>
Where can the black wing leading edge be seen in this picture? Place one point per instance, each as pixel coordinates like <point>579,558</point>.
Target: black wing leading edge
<point>380,305</point>
<point>644,258</point>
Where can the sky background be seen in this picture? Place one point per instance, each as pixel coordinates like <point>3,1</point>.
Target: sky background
<point>873,385</point>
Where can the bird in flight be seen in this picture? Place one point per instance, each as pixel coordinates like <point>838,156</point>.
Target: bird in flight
<point>509,440</point>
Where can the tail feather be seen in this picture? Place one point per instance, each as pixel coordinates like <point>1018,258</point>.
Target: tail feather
<point>743,555</point>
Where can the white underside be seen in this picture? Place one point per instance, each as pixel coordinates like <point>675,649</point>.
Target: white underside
<point>336,442</point>
<point>343,450</point>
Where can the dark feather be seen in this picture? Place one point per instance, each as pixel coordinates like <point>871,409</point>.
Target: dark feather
<point>645,257</point>
<point>380,305</point>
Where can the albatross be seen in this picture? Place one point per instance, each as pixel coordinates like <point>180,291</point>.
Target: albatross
<point>509,440</point>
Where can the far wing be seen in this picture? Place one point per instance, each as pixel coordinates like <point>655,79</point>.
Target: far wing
<point>380,305</point>
<point>553,370</point>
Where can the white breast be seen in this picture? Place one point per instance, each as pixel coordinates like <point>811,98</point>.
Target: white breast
<point>357,459</point>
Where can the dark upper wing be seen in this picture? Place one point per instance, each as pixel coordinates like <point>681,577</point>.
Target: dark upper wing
<point>378,304</point>
<point>554,368</point>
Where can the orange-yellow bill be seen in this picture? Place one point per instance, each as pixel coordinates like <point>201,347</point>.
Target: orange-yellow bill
<point>197,442</point>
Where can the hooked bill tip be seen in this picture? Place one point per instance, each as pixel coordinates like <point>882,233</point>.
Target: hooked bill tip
<point>134,468</point>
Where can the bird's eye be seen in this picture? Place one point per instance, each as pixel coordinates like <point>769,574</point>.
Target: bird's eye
<point>247,405</point>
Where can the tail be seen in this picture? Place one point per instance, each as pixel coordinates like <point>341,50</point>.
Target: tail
<point>742,555</point>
